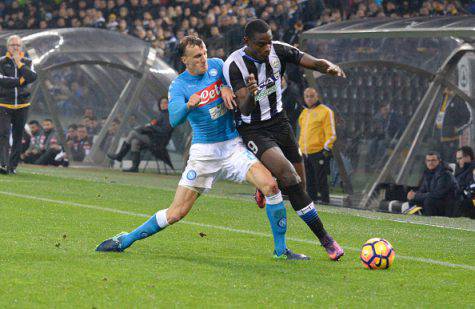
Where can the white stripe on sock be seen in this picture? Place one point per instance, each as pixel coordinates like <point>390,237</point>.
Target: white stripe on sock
<point>306,209</point>
<point>161,217</point>
<point>274,199</point>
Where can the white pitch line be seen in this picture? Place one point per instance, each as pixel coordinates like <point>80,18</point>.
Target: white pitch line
<point>346,211</point>
<point>224,228</point>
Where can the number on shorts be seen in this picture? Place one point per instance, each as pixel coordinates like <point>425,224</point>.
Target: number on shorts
<point>253,147</point>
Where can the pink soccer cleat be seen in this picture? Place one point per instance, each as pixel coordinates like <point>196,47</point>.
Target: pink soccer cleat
<point>335,252</point>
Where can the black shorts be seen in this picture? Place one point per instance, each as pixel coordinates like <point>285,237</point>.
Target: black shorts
<point>276,132</point>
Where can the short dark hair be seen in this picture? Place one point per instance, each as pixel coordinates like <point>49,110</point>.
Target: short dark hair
<point>467,151</point>
<point>81,126</point>
<point>255,26</point>
<point>35,122</point>
<point>73,126</point>
<point>189,40</point>
<point>48,120</point>
<point>434,153</point>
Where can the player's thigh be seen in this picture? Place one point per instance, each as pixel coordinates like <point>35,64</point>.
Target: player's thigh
<point>259,176</point>
<point>286,141</point>
<point>182,203</point>
<point>200,173</point>
<point>276,162</point>
<point>258,140</point>
<point>238,161</point>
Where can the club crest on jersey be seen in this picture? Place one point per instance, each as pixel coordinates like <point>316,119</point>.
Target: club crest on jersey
<point>213,72</point>
<point>210,93</point>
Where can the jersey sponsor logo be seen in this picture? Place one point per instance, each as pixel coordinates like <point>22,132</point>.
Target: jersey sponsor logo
<point>213,72</point>
<point>217,111</point>
<point>268,86</point>
<point>265,92</point>
<point>210,93</point>
<point>191,175</point>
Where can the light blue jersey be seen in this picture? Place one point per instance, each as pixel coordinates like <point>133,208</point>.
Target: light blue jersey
<point>211,121</point>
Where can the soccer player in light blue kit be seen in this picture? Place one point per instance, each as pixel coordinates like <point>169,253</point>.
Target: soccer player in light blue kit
<point>199,96</point>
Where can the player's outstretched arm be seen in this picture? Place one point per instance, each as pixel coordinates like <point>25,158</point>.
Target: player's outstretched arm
<point>246,96</point>
<point>321,65</point>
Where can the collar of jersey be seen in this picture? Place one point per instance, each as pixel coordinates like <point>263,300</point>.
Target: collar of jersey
<point>250,58</point>
<point>189,75</point>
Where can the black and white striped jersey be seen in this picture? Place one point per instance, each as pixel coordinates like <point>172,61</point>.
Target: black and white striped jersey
<point>268,74</point>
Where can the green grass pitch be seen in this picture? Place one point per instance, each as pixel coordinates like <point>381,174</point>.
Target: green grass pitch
<point>51,220</point>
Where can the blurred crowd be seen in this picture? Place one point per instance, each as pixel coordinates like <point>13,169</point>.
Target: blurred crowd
<point>42,146</point>
<point>164,22</point>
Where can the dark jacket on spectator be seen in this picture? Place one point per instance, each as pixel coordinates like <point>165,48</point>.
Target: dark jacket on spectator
<point>80,149</point>
<point>464,175</point>
<point>159,129</point>
<point>438,184</point>
<point>50,138</point>
<point>13,81</point>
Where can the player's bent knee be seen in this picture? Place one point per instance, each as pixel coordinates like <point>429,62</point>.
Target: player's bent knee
<point>269,187</point>
<point>175,214</point>
<point>289,178</point>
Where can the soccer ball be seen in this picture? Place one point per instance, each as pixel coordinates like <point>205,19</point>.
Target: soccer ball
<point>377,253</point>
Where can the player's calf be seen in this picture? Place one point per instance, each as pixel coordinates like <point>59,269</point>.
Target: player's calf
<point>122,241</point>
<point>305,208</point>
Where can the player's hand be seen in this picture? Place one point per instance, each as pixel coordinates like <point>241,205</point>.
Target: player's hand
<point>252,84</point>
<point>228,97</point>
<point>411,195</point>
<point>335,70</point>
<point>193,101</point>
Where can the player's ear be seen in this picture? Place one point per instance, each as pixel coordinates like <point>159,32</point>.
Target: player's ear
<point>246,40</point>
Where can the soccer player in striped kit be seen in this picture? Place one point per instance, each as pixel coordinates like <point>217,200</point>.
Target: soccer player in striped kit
<point>254,73</point>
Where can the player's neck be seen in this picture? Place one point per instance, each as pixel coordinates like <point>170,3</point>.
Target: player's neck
<point>249,54</point>
<point>194,74</point>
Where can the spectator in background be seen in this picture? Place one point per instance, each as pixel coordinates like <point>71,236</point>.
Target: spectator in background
<point>50,146</point>
<point>81,145</point>
<point>453,114</point>
<point>16,72</point>
<point>292,36</point>
<point>88,112</point>
<point>71,135</point>
<point>464,173</point>
<point>92,126</point>
<point>387,127</point>
<point>154,136</point>
<point>111,132</point>
<point>317,135</point>
<point>33,152</point>
<point>291,100</point>
<point>437,193</point>
<point>215,42</point>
